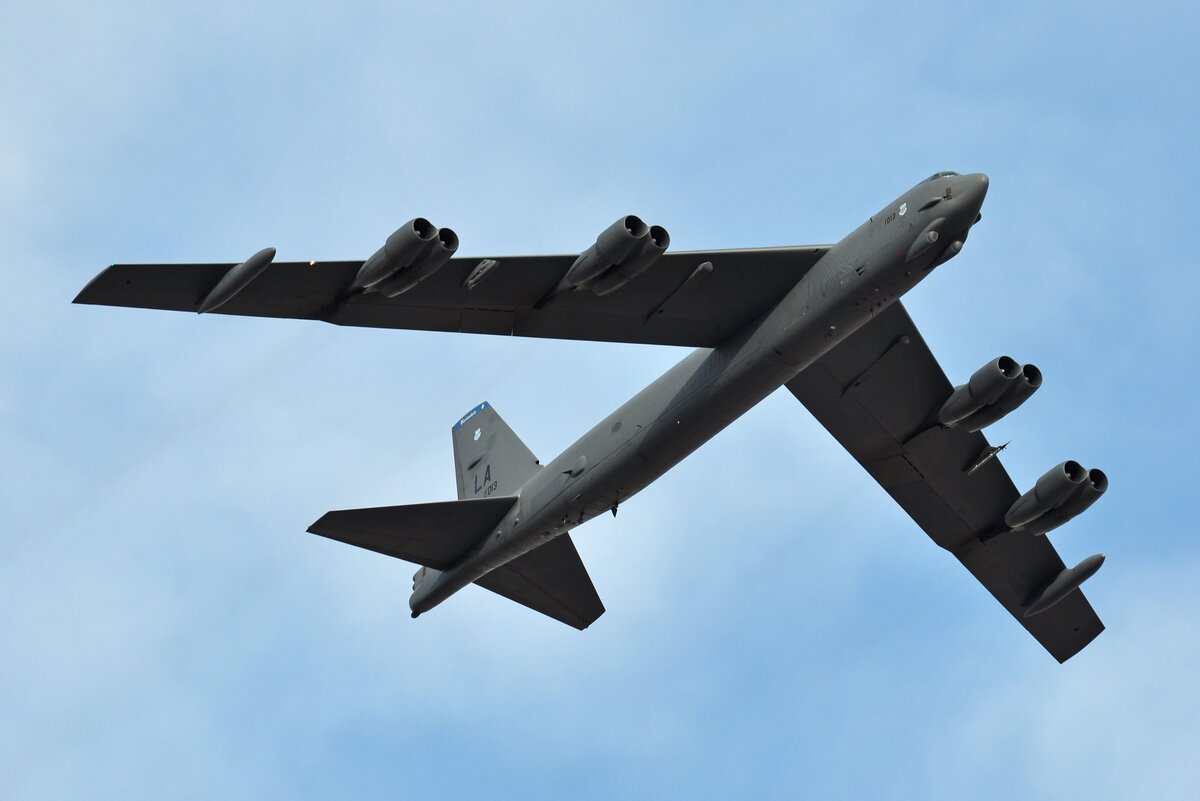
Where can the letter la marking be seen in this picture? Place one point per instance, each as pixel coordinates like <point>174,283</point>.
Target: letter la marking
<point>487,479</point>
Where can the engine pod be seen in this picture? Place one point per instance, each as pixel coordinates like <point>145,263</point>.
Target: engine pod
<point>651,251</point>
<point>1016,394</point>
<point>444,246</point>
<point>404,247</point>
<point>985,386</point>
<point>1086,494</point>
<point>1051,491</point>
<point>615,244</point>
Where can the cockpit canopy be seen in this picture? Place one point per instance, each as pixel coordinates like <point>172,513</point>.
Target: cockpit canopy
<point>937,175</point>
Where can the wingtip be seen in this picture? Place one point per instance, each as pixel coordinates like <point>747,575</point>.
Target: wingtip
<point>81,298</point>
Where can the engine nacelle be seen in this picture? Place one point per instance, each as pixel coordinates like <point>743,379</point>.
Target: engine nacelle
<point>1017,393</point>
<point>652,249</point>
<point>403,248</point>
<point>434,257</point>
<point>985,387</point>
<point>1063,492</point>
<point>617,243</point>
<point>1050,492</point>
<point>1087,494</point>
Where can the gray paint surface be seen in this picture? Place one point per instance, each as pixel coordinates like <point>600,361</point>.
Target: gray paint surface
<point>823,320</point>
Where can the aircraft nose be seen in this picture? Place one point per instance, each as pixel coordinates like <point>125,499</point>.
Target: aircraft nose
<point>977,184</point>
<point>975,190</point>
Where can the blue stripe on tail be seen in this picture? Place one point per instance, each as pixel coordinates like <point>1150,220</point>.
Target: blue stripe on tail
<point>469,415</point>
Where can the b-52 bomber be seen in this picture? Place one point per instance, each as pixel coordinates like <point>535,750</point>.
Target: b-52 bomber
<point>825,321</point>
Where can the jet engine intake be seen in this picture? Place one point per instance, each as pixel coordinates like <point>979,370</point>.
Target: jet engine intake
<point>651,250</point>
<point>1087,494</point>
<point>984,388</point>
<point>1064,492</point>
<point>616,244</point>
<point>1017,393</point>
<point>402,249</point>
<point>435,256</point>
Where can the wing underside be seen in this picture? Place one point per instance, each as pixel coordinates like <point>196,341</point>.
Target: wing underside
<point>675,302</point>
<point>876,393</point>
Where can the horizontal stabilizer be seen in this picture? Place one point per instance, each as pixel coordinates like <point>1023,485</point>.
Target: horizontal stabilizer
<point>431,534</point>
<point>552,580</point>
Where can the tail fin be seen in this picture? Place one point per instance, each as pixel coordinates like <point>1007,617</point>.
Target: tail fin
<point>489,459</point>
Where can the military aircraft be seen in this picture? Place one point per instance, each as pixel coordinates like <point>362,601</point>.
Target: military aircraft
<point>825,321</point>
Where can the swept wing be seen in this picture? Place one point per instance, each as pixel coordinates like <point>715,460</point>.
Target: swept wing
<point>679,301</point>
<point>875,392</point>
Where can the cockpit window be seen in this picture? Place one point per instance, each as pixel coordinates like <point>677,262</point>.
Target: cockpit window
<point>937,175</point>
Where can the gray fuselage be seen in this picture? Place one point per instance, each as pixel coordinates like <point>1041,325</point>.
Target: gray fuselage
<point>711,387</point>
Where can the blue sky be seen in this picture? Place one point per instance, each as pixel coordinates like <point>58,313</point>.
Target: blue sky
<point>775,624</point>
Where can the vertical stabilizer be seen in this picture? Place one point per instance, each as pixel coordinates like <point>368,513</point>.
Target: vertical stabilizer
<point>489,459</point>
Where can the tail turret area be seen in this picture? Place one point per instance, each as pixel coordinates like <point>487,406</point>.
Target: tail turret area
<point>446,539</point>
<point>489,458</point>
